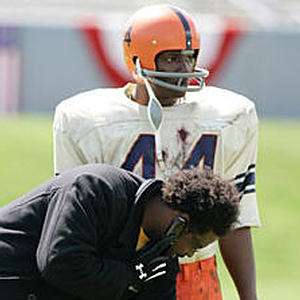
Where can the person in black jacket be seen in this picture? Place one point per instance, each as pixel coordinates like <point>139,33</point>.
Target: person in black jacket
<point>100,232</point>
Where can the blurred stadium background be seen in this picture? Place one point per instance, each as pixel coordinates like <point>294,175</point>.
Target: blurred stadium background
<point>51,49</point>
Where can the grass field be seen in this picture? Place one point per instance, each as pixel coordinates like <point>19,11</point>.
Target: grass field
<point>26,160</point>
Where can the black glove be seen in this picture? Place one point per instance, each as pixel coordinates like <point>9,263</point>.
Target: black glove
<point>151,262</point>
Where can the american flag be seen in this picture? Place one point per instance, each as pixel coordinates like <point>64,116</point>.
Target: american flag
<point>9,69</point>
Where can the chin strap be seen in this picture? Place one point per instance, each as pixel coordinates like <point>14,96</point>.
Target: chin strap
<point>155,115</point>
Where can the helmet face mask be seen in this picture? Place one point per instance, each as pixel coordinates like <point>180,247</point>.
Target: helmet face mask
<point>154,30</point>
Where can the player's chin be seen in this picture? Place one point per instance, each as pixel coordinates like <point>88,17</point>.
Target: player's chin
<point>181,252</point>
<point>172,93</point>
<point>180,91</point>
<point>180,255</point>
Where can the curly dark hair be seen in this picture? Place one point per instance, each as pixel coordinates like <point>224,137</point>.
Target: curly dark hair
<point>211,202</point>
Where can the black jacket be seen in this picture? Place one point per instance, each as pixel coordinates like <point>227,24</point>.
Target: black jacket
<point>74,234</point>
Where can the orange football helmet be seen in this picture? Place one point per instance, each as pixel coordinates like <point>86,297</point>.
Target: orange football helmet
<point>158,28</point>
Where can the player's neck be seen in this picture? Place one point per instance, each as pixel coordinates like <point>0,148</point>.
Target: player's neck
<point>140,94</point>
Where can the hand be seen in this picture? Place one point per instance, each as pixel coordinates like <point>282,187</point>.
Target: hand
<point>151,262</point>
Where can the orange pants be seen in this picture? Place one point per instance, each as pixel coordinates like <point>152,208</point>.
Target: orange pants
<point>198,281</point>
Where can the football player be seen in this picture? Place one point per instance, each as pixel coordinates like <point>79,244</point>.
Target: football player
<point>161,123</point>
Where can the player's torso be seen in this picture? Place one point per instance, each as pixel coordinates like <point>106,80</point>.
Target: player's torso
<point>193,133</point>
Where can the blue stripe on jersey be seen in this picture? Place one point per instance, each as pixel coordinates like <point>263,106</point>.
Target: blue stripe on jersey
<point>245,182</point>
<point>249,191</point>
<point>244,174</point>
<point>249,180</point>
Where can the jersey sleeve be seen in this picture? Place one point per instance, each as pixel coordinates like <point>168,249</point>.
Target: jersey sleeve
<point>66,154</point>
<point>75,142</point>
<point>240,164</point>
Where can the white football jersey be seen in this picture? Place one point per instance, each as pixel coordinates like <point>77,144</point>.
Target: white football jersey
<point>214,128</point>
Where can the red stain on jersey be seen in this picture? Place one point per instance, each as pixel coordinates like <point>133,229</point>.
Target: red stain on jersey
<point>183,134</point>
